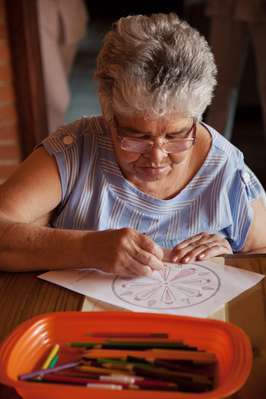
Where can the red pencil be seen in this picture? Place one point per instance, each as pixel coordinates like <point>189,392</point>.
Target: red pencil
<point>144,384</point>
<point>76,381</point>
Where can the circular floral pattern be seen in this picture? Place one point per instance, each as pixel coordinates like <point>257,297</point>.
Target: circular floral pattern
<point>175,287</point>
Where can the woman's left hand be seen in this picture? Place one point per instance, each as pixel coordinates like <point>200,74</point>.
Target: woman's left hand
<point>200,247</point>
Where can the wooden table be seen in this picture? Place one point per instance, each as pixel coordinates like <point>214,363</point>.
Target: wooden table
<point>23,296</point>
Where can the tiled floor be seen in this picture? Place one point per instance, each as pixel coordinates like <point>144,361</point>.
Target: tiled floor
<point>248,129</point>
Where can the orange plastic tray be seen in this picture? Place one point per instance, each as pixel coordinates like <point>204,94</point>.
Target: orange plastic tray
<point>22,350</point>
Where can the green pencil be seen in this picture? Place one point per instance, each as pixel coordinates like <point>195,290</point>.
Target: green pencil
<point>133,345</point>
<point>53,361</point>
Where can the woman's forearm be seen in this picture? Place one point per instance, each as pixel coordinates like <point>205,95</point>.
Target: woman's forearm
<point>125,252</point>
<point>25,247</point>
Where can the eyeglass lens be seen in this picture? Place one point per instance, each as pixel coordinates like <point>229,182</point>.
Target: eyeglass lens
<point>169,146</point>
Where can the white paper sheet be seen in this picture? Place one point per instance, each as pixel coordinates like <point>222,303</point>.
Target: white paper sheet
<point>196,289</point>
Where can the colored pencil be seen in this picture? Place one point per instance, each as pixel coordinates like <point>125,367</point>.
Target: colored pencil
<point>104,386</point>
<point>157,385</point>
<point>169,354</point>
<point>120,378</point>
<point>43,372</point>
<point>191,369</point>
<point>129,361</point>
<point>100,370</point>
<point>92,385</point>
<point>128,335</point>
<point>153,371</point>
<point>76,380</point>
<point>171,376</point>
<point>116,364</point>
<point>145,384</point>
<point>52,354</point>
<point>133,345</point>
<point>53,362</point>
<point>177,365</point>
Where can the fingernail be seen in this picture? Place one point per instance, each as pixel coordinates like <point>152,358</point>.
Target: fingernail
<point>147,270</point>
<point>186,259</point>
<point>175,259</point>
<point>201,256</point>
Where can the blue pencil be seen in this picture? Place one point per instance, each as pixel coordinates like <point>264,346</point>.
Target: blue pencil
<point>40,373</point>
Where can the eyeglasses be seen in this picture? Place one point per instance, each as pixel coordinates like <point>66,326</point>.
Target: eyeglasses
<point>169,146</point>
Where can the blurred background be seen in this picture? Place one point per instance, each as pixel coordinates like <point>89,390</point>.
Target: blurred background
<point>247,131</point>
<point>29,77</point>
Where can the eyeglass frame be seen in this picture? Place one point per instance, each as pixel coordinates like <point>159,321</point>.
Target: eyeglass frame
<point>192,139</point>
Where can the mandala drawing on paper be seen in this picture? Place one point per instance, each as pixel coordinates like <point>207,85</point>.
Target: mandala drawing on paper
<point>175,287</point>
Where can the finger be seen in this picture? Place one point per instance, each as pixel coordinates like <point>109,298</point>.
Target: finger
<point>192,247</point>
<point>128,269</point>
<point>192,254</point>
<point>148,253</point>
<point>216,250</point>
<point>200,239</point>
<point>206,250</point>
<point>190,240</point>
<point>186,246</point>
<point>123,270</point>
<point>185,253</point>
<point>222,243</point>
<point>136,269</point>
<point>147,259</point>
<point>148,245</point>
<point>141,270</point>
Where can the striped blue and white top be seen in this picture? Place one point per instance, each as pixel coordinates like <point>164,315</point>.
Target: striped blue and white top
<point>96,196</point>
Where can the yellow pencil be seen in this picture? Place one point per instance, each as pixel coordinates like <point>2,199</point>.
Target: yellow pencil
<point>51,355</point>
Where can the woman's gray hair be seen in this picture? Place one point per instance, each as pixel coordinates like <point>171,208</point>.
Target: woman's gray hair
<point>156,66</point>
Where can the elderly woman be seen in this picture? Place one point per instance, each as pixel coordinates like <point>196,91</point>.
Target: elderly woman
<point>144,183</point>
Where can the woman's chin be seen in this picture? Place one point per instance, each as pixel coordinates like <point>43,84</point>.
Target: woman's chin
<point>152,174</point>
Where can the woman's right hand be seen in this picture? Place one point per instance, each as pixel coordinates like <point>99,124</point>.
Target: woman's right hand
<point>124,252</point>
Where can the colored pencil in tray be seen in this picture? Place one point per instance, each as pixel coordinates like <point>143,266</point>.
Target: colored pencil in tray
<point>178,365</point>
<point>133,345</point>
<point>144,384</point>
<point>54,361</point>
<point>148,371</point>
<point>52,354</point>
<point>100,370</point>
<point>119,378</point>
<point>125,365</point>
<point>137,380</point>
<point>201,357</point>
<point>129,361</point>
<point>172,364</point>
<point>133,335</point>
<point>42,372</point>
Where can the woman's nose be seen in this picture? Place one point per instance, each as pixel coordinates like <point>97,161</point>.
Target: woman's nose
<point>157,153</point>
